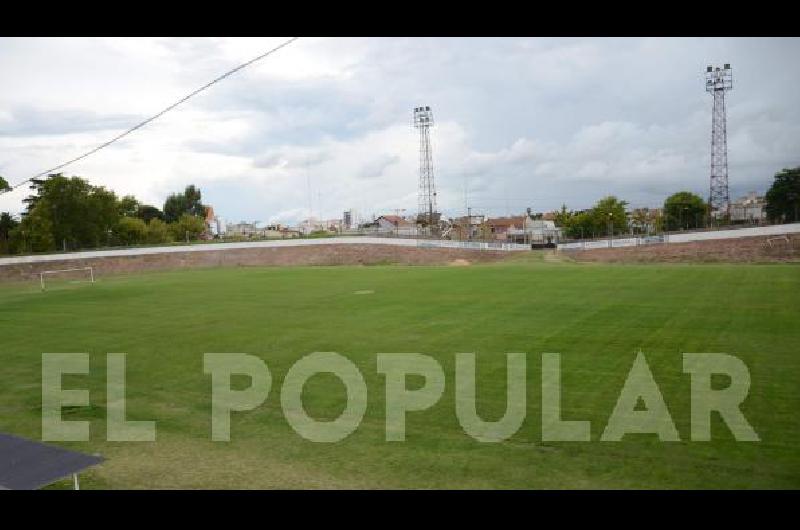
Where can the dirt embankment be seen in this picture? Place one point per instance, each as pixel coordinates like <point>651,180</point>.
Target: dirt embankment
<point>285,256</point>
<point>740,250</point>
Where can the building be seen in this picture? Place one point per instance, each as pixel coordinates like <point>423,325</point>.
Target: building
<point>749,209</point>
<point>644,220</point>
<point>241,229</point>
<point>312,224</point>
<point>395,225</point>
<point>213,224</point>
<point>252,231</point>
<point>465,228</point>
<point>278,231</point>
<point>498,228</point>
<point>335,226</point>
<point>535,231</point>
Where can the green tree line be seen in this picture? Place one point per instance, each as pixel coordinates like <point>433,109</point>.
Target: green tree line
<point>783,197</point>
<point>68,213</point>
<point>683,210</point>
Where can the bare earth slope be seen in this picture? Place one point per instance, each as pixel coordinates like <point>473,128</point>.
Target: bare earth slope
<point>740,250</point>
<point>285,256</point>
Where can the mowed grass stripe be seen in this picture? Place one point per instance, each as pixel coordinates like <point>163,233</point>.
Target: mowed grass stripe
<point>596,316</point>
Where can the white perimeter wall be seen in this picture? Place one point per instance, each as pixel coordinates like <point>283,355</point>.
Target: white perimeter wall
<point>773,230</point>
<point>422,243</point>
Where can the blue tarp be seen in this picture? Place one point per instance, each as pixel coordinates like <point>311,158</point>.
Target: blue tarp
<point>27,465</point>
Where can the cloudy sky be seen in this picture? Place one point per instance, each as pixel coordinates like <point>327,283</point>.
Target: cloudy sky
<point>325,124</point>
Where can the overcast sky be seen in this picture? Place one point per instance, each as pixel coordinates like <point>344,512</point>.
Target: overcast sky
<point>325,123</point>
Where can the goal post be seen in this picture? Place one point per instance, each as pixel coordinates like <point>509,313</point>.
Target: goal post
<point>85,277</point>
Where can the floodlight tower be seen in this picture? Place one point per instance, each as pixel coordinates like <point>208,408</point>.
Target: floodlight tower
<point>719,81</point>
<point>426,214</point>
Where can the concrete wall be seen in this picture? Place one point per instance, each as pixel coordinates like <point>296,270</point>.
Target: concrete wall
<point>218,247</point>
<point>773,230</point>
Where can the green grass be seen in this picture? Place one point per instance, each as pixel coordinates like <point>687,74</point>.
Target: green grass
<point>596,316</point>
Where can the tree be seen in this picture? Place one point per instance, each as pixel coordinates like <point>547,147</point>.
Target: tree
<point>7,225</point>
<point>34,233</point>
<point>581,225</point>
<point>640,219</point>
<point>174,207</point>
<point>130,231</point>
<point>645,220</point>
<point>563,217</point>
<point>596,221</point>
<point>103,216</point>
<point>128,206</point>
<point>4,184</point>
<point>684,210</point>
<point>36,185</point>
<point>68,213</point>
<point>609,214</point>
<point>145,212</point>
<point>178,204</point>
<point>783,197</point>
<point>187,227</point>
<point>157,232</point>
<point>195,206</point>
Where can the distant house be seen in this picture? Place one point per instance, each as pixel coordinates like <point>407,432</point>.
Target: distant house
<point>278,231</point>
<point>749,209</point>
<point>498,228</point>
<point>213,228</point>
<point>312,224</point>
<point>395,225</point>
<point>536,230</point>
<point>252,231</point>
<point>334,225</point>
<point>241,229</point>
<point>644,220</point>
<point>466,227</point>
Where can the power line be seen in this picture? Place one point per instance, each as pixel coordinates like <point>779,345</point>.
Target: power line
<point>145,122</point>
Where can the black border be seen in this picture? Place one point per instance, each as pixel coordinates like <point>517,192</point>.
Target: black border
<point>422,509</point>
<point>398,19</point>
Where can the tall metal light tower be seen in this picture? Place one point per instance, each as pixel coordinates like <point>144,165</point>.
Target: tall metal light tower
<point>719,81</point>
<point>426,213</point>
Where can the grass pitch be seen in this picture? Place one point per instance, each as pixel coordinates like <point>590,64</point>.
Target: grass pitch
<point>596,316</point>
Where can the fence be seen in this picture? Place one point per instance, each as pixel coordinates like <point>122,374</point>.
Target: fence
<point>471,245</point>
<point>682,237</point>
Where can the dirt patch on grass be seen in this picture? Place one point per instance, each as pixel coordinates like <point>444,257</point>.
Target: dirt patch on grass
<point>349,254</point>
<point>739,250</point>
<point>460,263</point>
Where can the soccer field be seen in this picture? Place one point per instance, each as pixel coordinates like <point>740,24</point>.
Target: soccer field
<point>596,316</point>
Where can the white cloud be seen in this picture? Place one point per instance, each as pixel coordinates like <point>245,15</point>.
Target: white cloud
<point>324,125</point>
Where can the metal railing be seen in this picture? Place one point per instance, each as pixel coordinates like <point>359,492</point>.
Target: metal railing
<point>681,236</point>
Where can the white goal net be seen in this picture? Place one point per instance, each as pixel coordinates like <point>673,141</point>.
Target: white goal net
<point>66,276</point>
